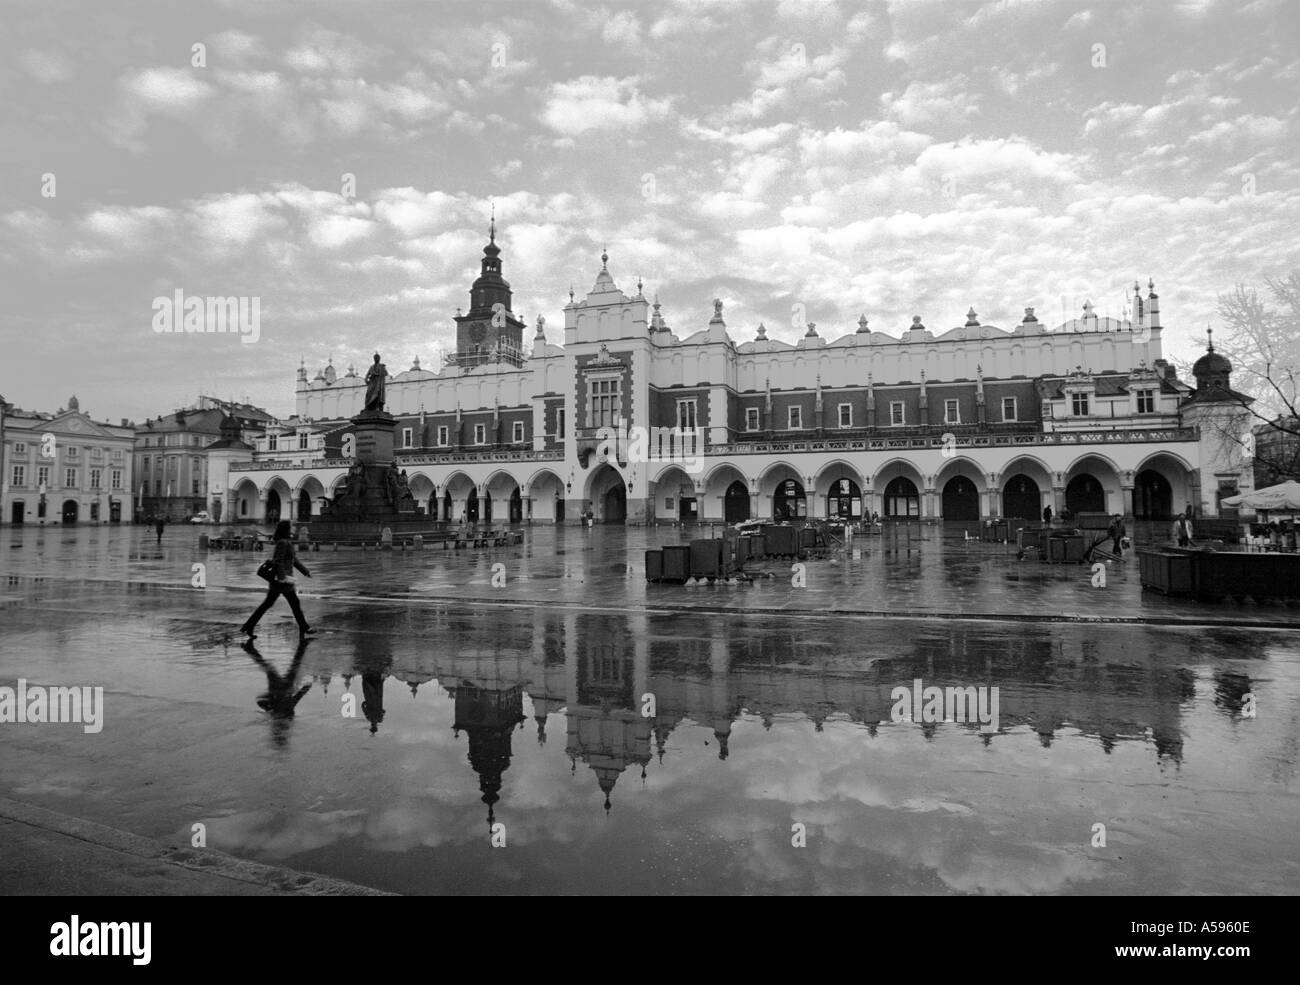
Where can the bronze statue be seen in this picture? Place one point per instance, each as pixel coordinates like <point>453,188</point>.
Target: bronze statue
<point>375,385</point>
<point>353,492</point>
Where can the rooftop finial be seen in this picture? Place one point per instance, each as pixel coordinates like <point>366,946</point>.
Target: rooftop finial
<point>1209,335</point>
<point>492,226</point>
<point>604,258</point>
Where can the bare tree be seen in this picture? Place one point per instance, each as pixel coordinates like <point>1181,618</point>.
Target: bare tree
<point>1262,341</point>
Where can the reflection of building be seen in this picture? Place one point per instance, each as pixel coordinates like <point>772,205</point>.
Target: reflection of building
<point>488,718</point>
<point>599,670</point>
<point>959,424</point>
<point>65,468</point>
<point>606,678</point>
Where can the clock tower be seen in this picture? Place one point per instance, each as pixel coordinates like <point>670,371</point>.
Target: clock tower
<point>489,332</point>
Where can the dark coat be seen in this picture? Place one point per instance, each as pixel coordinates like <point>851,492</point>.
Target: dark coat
<point>285,560</point>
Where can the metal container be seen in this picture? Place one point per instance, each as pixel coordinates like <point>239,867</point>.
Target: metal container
<point>782,541</point>
<point>707,559</point>
<point>654,565</point>
<point>677,562</point>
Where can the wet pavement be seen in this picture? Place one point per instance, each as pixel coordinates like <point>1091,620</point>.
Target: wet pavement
<point>626,737</point>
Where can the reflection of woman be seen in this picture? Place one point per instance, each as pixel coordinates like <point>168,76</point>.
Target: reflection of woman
<point>280,699</point>
<point>284,561</point>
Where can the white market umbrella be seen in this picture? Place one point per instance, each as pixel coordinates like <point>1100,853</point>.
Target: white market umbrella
<point>1284,496</point>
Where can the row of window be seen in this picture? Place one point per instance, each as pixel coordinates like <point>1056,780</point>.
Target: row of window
<point>897,414</point>
<point>480,434</point>
<point>70,477</point>
<point>178,440</point>
<point>273,441</point>
<point>1080,403</point>
<point>195,463</point>
<point>173,489</point>
<point>70,451</point>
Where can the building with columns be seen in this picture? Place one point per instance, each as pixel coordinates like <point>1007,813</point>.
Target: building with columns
<point>959,424</point>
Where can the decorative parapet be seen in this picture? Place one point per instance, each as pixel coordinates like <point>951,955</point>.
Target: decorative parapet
<point>551,455</point>
<point>1162,435</point>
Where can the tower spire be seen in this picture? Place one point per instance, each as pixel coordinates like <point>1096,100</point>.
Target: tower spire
<point>492,226</point>
<point>1209,335</point>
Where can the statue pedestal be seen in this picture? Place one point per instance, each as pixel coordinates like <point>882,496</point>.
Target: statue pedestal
<point>372,499</point>
<point>374,433</point>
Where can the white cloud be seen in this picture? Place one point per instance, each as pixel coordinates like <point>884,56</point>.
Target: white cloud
<point>173,90</point>
<point>599,103</point>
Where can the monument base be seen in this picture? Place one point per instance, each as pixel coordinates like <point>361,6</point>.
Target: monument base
<point>375,495</point>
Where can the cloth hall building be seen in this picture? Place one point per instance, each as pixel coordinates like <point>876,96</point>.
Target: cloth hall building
<point>970,422</point>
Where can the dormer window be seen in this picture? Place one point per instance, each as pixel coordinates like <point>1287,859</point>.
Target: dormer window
<point>1079,404</point>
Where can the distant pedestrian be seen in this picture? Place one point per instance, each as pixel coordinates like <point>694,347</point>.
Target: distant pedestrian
<point>158,526</point>
<point>1182,531</point>
<point>284,561</point>
<point>1047,516</point>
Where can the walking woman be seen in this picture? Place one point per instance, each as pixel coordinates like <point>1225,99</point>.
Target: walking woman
<point>284,561</point>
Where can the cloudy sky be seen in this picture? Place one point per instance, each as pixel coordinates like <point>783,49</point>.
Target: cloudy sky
<point>892,158</point>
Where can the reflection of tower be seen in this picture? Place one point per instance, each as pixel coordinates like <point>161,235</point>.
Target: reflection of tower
<point>488,718</point>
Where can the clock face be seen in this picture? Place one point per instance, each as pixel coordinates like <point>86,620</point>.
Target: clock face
<point>477,332</point>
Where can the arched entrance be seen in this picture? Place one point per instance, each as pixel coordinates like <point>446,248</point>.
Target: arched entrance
<point>17,511</point>
<point>606,493</point>
<point>844,501</point>
<point>516,506</point>
<point>304,506</point>
<point>471,505</point>
<point>789,501</point>
<point>961,500</point>
<point>272,507</point>
<point>94,512</point>
<point>735,503</point>
<point>616,504</point>
<point>1153,497</point>
<point>487,506</point>
<point>1084,494</point>
<point>1022,499</point>
<point>901,498</point>
<point>69,511</point>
